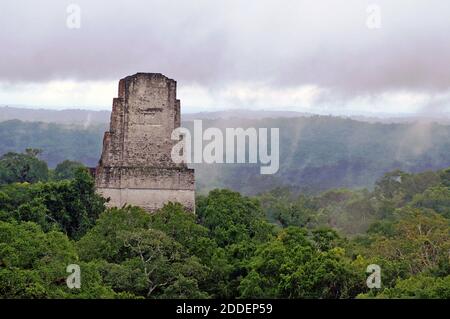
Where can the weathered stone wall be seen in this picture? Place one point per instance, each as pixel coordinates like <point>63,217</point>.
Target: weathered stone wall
<point>135,166</point>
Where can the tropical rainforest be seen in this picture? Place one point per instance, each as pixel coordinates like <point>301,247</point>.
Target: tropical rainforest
<point>317,153</point>
<point>276,244</point>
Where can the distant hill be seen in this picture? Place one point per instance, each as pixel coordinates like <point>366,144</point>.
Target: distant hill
<point>58,142</point>
<point>243,114</point>
<point>71,117</point>
<point>89,117</point>
<point>323,152</point>
<point>316,152</point>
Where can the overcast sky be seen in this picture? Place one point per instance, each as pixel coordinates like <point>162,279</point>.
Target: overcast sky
<point>314,56</point>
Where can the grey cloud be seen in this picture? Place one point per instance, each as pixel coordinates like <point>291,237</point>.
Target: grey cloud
<point>285,43</point>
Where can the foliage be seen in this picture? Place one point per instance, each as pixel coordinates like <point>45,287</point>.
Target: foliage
<point>141,259</point>
<point>66,170</point>
<point>291,266</point>
<point>232,218</point>
<point>280,244</point>
<point>22,168</point>
<point>317,153</point>
<point>33,265</point>
<point>71,206</point>
<point>419,287</point>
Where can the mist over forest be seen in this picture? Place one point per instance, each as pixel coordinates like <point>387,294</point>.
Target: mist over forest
<point>349,192</point>
<point>316,152</point>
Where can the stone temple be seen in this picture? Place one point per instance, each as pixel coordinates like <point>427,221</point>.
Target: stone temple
<point>136,167</point>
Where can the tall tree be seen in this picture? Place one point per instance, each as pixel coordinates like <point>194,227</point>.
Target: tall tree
<point>15,167</point>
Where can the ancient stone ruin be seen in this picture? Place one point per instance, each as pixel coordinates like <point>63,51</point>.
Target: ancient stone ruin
<point>136,167</point>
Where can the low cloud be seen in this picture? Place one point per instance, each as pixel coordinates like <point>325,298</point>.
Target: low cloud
<point>277,46</point>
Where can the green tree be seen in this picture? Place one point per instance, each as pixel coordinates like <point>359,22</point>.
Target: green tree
<point>436,198</point>
<point>142,260</point>
<point>418,287</point>
<point>401,186</point>
<point>21,168</point>
<point>445,177</point>
<point>72,206</point>
<point>417,242</point>
<point>181,225</point>
<point>290,266</point>
<point>33,265</point>
<point>232,218</point>
<point>66,170</point>
<point>281,206</point>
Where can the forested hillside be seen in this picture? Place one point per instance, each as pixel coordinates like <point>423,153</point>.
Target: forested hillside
<point>57,142</point>
<point>68,116</point>
<point>319,153</point>
<point>316,153</point>
<point>276,245</point>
